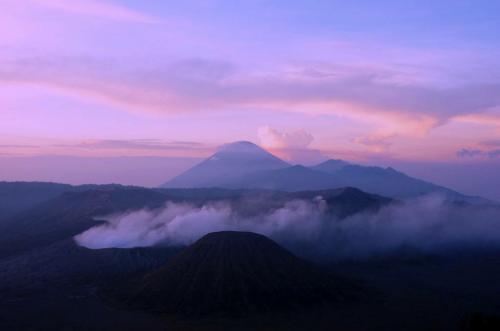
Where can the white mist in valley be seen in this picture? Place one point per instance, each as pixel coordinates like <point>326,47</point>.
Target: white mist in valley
<point>181,224</point>
<point>428,224</point>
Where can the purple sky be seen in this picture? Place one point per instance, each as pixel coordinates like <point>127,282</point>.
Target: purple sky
<point>385,82</point>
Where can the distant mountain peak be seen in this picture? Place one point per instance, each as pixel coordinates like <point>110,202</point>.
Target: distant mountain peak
<point>229,161</point>
<point>243,149</point>
<point>240,146</point>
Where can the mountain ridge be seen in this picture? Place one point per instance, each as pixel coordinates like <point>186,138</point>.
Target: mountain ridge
<point>244,165</point>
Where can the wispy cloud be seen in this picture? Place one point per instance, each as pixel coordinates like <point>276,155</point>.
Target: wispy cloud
<point>137,144</point>
<point>215,61</point>
<point>197,85</point>
<point>377,143</point>
<point>17,146</point>
<point>488,117</point>
<point>98,8</point>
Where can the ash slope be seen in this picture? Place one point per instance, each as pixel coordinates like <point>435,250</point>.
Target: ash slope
<point>237,273</point>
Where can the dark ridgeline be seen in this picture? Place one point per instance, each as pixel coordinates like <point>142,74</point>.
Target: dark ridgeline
<point>236,273</point>
<point>69,214</point>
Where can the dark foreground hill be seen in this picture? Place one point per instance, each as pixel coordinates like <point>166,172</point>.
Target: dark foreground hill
<point>48,282</point>
<point>236,273</point>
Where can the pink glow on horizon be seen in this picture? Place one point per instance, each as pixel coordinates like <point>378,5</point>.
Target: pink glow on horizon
<point>104,78</point>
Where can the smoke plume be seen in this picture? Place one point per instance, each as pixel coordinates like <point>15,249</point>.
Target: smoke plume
<point>428,224</point>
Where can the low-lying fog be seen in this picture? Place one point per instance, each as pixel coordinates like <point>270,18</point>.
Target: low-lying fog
<point>427,224</point>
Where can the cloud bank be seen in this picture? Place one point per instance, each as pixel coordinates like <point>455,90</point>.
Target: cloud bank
<point>191,85</point>
<point>426,225</point>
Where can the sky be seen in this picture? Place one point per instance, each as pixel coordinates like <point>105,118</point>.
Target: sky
<point>413,83</point>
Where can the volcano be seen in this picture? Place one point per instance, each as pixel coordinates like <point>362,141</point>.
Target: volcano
<point>230,162</point>
<point>236,273</point>
<point>244,165</point>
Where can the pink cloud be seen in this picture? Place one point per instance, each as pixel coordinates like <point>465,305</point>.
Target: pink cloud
<point>210,85</point>
<point>80,49</point>
<point>377,143</point>
<point>272,138</point>
<point>199,86</point>
<point>137,144</point>
<point>292,146</point>
<point>488,118</point>
<point>102,147</point>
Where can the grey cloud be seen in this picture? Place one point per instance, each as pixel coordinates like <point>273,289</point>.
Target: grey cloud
<point>471,153</point>
<point>464,152</point>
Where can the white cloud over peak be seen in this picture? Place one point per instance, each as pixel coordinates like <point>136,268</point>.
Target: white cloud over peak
<point>293,146</point>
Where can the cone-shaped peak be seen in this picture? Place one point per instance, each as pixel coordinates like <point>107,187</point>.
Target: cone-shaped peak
<point>236,273</point>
